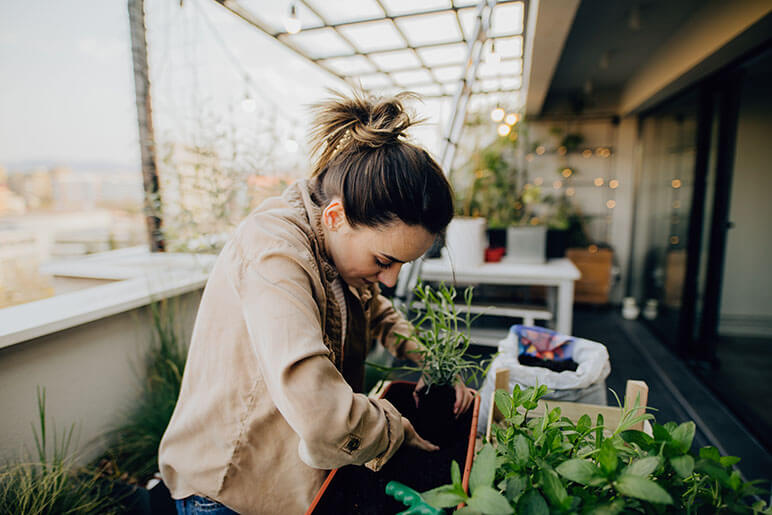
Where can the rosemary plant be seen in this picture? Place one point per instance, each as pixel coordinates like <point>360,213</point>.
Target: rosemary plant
<point>443,336</point>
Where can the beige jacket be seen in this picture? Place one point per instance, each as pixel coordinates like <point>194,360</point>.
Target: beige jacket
<point>264,410</point>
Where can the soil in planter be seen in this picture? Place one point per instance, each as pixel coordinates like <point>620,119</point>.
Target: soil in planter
<point>358,490</point>
<point>555,366</point>
<point>435,414</point>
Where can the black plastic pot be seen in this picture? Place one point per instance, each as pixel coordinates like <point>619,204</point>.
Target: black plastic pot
<point>557,243</point>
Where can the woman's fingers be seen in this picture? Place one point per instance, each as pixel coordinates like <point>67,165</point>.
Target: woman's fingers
<point>413,439</point>
<point>464,398</point>
<point>418,387</point>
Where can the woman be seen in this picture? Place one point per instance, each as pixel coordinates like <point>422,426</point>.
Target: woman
<point>269,399</point>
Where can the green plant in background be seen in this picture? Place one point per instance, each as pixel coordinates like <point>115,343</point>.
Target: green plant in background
<point>550,464</point>
<point>443,336</point>
<point>51,482</point>
<point>133,456</point>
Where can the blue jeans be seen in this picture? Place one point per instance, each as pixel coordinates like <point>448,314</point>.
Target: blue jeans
<point>196,504</point>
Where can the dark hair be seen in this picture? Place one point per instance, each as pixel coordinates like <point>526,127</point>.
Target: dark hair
<point>363,158</point>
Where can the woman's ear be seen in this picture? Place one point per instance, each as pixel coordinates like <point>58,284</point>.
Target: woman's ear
<point>333,215</point>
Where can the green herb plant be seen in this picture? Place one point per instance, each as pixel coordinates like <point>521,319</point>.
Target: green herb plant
<point>550,464</point>
<point>443,335</point>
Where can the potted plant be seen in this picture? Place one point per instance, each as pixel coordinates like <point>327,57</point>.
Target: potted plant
<point>552,464</point>
<point>443,338</point>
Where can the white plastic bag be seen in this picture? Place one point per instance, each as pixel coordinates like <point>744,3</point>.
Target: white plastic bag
<point>587,384</point>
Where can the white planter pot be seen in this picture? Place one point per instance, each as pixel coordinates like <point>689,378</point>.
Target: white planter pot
<point>465,242</point>
<point>526,244</point>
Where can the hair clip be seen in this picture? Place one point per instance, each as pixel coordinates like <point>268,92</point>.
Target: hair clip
<point>341,143</point>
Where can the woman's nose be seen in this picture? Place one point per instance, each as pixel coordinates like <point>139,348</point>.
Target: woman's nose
<point>389,276</point>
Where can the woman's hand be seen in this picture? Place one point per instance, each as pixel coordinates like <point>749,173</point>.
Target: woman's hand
<point>464,396</point>
<point>414,440</point>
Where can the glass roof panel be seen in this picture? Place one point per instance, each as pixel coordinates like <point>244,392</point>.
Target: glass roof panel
<point>355,65</point>
<point>448,73</point>
<point>430,28</point>
<point>319,43</point>
<point>399,60</point>
<point>432,90</point>
<point>446,54</point>
<point>512,66</point>
<point>374,81</point>
<point>465,3</point>
<point>507,19</point>
<point>467,21</point>
<point>450,89</point>
<point>395,7</point>
<point>412,77</point>
<point>341,11</point>
<point>373,36</point>
<point>272,14</point>
<point>509,47</point>
<point>490,85</point>
<point>512,83</point>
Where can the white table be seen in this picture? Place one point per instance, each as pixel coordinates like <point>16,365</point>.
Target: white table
<point>557,273</point>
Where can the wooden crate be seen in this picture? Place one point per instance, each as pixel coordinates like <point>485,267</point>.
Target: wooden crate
<point>595,266</point>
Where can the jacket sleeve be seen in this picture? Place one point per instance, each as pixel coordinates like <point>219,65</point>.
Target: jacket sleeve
<point>386,322</point>
<point>336,426</point>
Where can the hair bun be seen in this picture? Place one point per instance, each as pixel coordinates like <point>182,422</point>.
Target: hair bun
<point>342,123</point>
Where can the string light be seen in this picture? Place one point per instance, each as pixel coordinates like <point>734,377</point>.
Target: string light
<point>570,192</point>
<point>538,181</point>
<point>529,157</point>
<point>567,172</point>
<point>598,181</point>
<point>557,184</point>
<point>540,149</point>
<point>674,240</point>
<point>613,184</point>
<point>611,204</point>
<point>292,22</point>
<point>676,183</point>
<point>512,118</point>
<point>562,150</point>
<point>587,153</point>
<point>498,114</point>
<point>504,129</point>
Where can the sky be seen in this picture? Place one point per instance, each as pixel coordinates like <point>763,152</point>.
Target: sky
<point>66,80</point>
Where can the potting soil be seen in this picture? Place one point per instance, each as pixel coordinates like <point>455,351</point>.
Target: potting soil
<point>358,490</point>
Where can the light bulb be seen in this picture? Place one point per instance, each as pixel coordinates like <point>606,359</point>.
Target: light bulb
<point>511,119</point>
<point>497,114</point>
<point>504,129</point>
<point>292,22</point>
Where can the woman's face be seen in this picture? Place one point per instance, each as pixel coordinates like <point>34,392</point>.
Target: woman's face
<point>365,255</point>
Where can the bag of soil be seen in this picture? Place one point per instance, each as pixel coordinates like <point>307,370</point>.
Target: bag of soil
<point>586,384</point>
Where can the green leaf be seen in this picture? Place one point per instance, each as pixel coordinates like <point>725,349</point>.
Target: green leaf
<point>643,467</point>
<point>579,471</point>
<point>504,402</point>
<point>609,509</point>
<point>644,489</point>
<point>684,434</point>
<point>553,487</point>
<point>639,438</point>
<point>713,469</point>
<point>522,450</point>
<point>661,434</point>
<point>483,469</point>
<point>599,431</point>
<point>683,465</point>
<point>532,503</point>
<point>487,500</point>
<point>607,458</point>
<point>445,496</point>
<point>455,474</point>
<point>729,461</point>
<point>735,481</point>
<point>583,424</point>
<point>515,487</point>
<point>710,453</point>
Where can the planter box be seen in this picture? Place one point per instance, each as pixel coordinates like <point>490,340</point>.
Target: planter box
<point>526,244</point>
<point>355,489</point>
